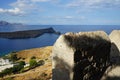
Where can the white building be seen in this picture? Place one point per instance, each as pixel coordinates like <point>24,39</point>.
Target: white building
<point>4,61</point>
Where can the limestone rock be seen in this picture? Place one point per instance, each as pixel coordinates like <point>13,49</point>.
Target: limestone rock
<point>81,56</point>
<point>113,72</point>
<point>115,47</point>
<point>115,37</point>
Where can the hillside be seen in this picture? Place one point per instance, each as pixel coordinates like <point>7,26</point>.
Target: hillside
<point>43,72</point>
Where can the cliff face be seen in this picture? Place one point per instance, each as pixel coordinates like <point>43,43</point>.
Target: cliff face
<point>83,56</point>
<point>26,34</point>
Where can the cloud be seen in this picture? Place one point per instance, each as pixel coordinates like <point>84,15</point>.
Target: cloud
<point>40,0</point>
<point>14,11</point>
<point>17,8</point>
<point>68,17</point>
<point>94,3</point>
<point>22,7</point>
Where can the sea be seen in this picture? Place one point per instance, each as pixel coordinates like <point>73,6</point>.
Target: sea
<point>12,45</point>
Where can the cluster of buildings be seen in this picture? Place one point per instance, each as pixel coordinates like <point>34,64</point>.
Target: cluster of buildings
<point>5,63</point>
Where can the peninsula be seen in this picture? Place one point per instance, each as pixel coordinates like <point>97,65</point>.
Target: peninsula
<point>27,33</point>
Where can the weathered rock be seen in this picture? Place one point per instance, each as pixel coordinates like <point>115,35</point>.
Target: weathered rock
<point>113,72</point>
<point>81,56</point>
<point>115,39</point>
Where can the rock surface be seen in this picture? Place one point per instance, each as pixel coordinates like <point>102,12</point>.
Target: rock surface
<point>81,56</point>
<point>115,39</point>
<point>113,72</point>
<point>26,34</point>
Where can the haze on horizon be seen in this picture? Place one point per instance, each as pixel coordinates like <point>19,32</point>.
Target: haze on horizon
<point>72,12</point>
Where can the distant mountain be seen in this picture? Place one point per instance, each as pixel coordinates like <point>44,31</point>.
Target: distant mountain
<point>3,23</point>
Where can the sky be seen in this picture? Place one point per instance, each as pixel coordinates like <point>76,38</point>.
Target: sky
<point>61,12</point>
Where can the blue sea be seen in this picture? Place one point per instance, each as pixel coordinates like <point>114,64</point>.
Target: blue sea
<point>9,45</point>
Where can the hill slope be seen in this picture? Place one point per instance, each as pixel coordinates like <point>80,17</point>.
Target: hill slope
<point>43,72</point>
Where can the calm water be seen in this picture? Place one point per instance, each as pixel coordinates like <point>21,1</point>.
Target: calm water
<point>8,45</point>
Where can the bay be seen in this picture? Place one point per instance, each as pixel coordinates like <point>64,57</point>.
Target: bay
<point>9,45</point>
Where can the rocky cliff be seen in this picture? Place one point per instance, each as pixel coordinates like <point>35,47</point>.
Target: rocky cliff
<point>81,56</point>
<point>26,34</point>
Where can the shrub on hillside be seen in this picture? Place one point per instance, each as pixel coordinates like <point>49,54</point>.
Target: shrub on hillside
<point>33,57</point>
<point>22,63</point>
<point>17,67</point>
<point>13,57</point>
<point>7,71</point>
<point>33,63</point>
<point>41,62</point>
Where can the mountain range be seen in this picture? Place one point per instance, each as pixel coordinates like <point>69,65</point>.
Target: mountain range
<point>4,23</point>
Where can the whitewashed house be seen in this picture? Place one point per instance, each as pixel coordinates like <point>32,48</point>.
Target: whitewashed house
<point>4,61</point>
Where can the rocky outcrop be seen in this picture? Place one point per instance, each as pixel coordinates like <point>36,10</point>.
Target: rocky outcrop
<point>115,39</point>
<point>26,34</point>
<point>81,56</point>
<point>113,72</point>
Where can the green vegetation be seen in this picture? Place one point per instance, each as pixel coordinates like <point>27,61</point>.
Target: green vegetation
<point>12,57</point>
<point>19,66</point>
<point>41,62</point>
<point>33,63</point>
<point>33,57</point>
<point>15,69</point>
<point>22,63</point>
<point>9,78</point>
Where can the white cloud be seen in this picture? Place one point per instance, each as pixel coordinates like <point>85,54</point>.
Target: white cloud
<point>2,10</point>
<point>14,11</point>
<point>94,3</point>
<point>40,0</point>
<point>23,5</point>
<point>68,17</point>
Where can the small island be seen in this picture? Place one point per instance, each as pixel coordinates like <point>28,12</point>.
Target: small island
<point>27,33</point>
